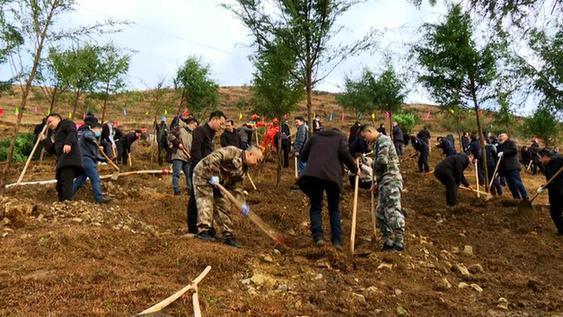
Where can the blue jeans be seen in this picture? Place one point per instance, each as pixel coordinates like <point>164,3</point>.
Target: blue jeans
<point>515,184</point>
<point>177,167</point>
<point>300,166</point>
<point>90,172</point>
<point>315,188</point>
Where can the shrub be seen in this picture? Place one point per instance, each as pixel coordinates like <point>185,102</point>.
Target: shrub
<point>24,145</point>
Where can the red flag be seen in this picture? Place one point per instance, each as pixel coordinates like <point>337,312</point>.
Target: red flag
<point>428,115</point>
<point>387,114</point>
<point>1,112</point>
<point>342,116</point>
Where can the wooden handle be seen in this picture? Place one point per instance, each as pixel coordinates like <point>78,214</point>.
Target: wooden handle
<point>495,172</point>
<point>477,180</point>
<point>296,172</point>
<point>354,212</point>
<point>31,154</point>
<point>252,182</point>
<point>169,300</point>
<point>186,152</point>
<point>547,184</point>
<point>109,160</point>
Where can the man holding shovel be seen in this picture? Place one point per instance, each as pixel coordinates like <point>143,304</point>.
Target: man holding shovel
<point>325,152</point>
<point>227,166</point>
<point>510,167</point>
<point>65,147</point>
<point>388,187</point>
<point>552,165</point>
<point>88,140</point>
<point>450,173</point>
<point>181,139</point>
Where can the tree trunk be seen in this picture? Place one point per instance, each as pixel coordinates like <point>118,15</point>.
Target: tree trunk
<point>25,93</point>
<point>481,139</point>
<point>181,103</point>
<point>105,103</point>
<point>75,103</point>
<point>309,86</point>
<point>390,125</point>
<point>53,99</point>
<point>279,155</point>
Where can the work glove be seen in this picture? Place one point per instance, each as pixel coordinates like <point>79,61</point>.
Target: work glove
<point>500,154</point>
<point>245,209</point>
<point>214,180</point>
<point>540,190</point>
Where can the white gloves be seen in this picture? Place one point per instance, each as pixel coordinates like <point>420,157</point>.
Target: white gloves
<point>500,154</point>
<point>540,190</point>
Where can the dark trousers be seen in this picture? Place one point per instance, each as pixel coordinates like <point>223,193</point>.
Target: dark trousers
<point>423,163</point>
<point>448,180</point>
<point>515,184</point>
<point>285,147</point>
<point>399,147</point>
<point>191,213</point>
<point>65,180</point>
<point>123,152</point>
<point>314,188</point>
<point>481,173</point>
<point>496,188</point>
<point>556,211</point>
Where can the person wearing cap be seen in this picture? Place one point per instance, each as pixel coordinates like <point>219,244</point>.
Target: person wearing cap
<point>90,149</point>
<point>552,163</point>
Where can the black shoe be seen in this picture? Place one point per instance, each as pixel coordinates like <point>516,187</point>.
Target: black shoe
<point>192,230</point>
<point>398,246</point>
<point>212,232</point>
<point>338,246</point>
<point>177,193</point>
<point>320,243</point>
<point>104,200</point>
<point>232,242</point>
<point>205,236</point>
<point>388,245</point>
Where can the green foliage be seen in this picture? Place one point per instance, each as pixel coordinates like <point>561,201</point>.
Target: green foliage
<point>276,91</point>
<point>503,119</point>
<point>543,124</point>
<point>388,91</point>
<point>406,120</point>
<point>357,95</point>
<point>199,92</point>
<point>23,146</point>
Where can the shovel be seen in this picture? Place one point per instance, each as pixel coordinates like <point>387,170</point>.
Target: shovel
<point>495,172</point>
<point>354,212</point>
<point>115,174</point>
<point>269,231</point>
<point>527,204</point>
<point>31,155</point>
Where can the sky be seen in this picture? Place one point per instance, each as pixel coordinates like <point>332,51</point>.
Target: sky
<point>164,33</point>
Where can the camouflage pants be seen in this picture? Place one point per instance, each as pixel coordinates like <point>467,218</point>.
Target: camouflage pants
<point>390,218</point>
<point>211,207</point>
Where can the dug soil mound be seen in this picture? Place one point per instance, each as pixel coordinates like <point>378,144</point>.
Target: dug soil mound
<point>83,259</point>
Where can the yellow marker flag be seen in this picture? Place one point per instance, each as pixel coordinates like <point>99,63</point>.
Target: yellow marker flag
<point>314,114</point>
<point>240,116</point>
<point>373,116</point>
<point>146,113</point>
<point>70,115</point>
<point>165,111</point>
<point>48,111</point>
<point>17,111</point>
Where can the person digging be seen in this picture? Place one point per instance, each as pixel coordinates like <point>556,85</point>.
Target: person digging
<point>553,164</point>
<point>227,166</point>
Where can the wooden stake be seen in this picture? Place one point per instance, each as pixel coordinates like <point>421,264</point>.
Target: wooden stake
<point>252,182</point>
<point>31,155</point>
<point>296,172</point>
<point>354,212</point>
<point>195,301</point>
<point>169,300</point>
<point>477,179</point>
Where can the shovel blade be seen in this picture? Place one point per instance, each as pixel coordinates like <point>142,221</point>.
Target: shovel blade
<point>115,176</point>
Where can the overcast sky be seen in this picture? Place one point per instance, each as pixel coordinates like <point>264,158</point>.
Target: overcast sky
<point>166,32</point>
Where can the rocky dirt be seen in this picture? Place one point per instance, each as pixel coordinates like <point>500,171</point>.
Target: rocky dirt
<point>84,259</point>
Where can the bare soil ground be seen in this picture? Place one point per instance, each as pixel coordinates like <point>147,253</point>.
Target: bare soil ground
<point>83,259</point>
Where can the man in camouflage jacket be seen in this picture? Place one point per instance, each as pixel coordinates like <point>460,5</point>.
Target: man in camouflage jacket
<point>228,166</point>
<point>388,187</point>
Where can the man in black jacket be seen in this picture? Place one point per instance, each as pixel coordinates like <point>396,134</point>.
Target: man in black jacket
<point>447,148</point>
<point>422,148</point>
<point>381,129</point>
<point>424,135</point>
<point>124,146</point>
<point>398,138</point>
<point>450,173</point>
<point>88,140</point>
<point>474,149</point>
<point>510,166</point>
<point>552,163</point>
<point>230,135</point>
<point>325,152</point>
<point>285,145</point>
<point>202,146</point>
<point>67,150</point>
<point>354,133</point>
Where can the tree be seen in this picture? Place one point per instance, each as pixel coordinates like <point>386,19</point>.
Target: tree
<point>111,72</point>
<point>543,124</point>
<point>50,77</point>
<point>81,72</point>
<point>157,98</point>
<point>455,70</point>
<point>198,91</point>
<point>388,92</point>
<point>33,20</point>
<point>357,95</point>
<point>407,120</point>
<point>10,39</point>
<point>305,27</point>
<point>454,117</point>
<point>503,119</point>
<point>276,91</point>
